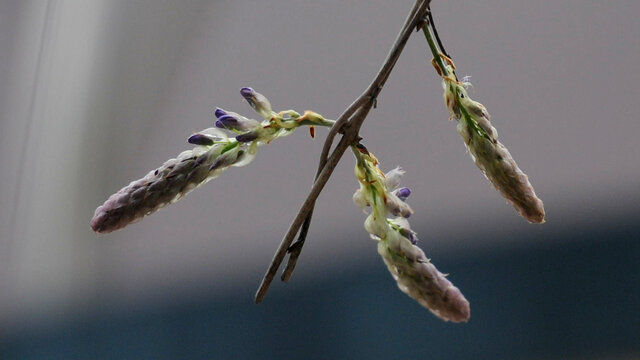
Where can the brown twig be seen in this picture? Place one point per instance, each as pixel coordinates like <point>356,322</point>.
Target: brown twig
<point>348,124</point>
<point>295,249</point>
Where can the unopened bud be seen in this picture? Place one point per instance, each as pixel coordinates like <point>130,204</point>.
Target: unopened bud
<point>248,136</point>
<point>237,122</point>
<point>219,112</point>
<point>200,139</point>
<point>402,193</point>
<point>397,207</point>
<point>224,160</point>
<point>257,101</point>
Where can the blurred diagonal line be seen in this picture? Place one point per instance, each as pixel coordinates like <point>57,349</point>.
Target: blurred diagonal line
<point>18,189</point>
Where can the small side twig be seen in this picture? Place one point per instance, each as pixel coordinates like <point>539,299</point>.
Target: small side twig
<point>332,162</point>
<point>348,124</point>
<point>295,249</point>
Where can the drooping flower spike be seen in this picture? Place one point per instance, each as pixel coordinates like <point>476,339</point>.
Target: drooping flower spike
<point>415,275</point>
<point>481,140</point>
<point>490,155</point>
<point>215,152</point>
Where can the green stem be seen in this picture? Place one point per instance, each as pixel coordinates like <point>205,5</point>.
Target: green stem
<point>325,123</point>
<point>233,143</point>
<point>434,50</point>
<point>436,55</point>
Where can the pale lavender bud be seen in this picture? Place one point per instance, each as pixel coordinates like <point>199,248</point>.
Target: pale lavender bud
<point>392,178</point>
<point>245,157</point>
<point>397,207</point>
<point>225,160</point>
<point>405,229</point>
<point>374,226</point>
<point>481,116</point>
<point>485,124</point>
<point>409,235</point>
<point>215,134</point>
<point>360,200</point>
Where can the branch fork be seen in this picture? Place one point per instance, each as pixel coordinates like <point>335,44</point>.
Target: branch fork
<point>348,124</point>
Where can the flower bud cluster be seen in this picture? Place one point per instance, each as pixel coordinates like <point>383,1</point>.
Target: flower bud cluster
<point>233,142</point>
<point>491,156</point>
<point>415,275</point>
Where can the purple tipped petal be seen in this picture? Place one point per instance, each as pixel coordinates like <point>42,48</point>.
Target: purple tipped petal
<point>238,122</point>
<point>228,121</point>
<point>257,101</point>
<point>219,112</point>
<point>409,235</point>
<point>247,92</point>
<point>219,124</point>
<point>414,238</point>
<point>200,139</point>
<point>403,193</point>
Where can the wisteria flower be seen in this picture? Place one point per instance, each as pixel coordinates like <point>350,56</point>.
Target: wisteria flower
<point>415,275</point>
<point>216,150</point>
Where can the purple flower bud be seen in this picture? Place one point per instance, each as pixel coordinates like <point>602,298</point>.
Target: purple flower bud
<point>247,92</point>
<point>219,124</point>
<point>237,122</point>
<point>228,121</point>
<point>403,193</point>
<point>409,235</point>
<point>247,137</point>
<point>219,112</point>
<point>258,102</point>
<point>200,139</point>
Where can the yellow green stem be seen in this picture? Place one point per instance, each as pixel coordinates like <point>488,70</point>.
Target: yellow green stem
<point>434,50</point>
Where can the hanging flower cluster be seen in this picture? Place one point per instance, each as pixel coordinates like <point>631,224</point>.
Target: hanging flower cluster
<point>489,154</point>
<point>233,142</point>
<point>380,196</point>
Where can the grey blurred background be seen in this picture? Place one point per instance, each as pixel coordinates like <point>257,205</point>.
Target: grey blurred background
<point>93,94</point>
